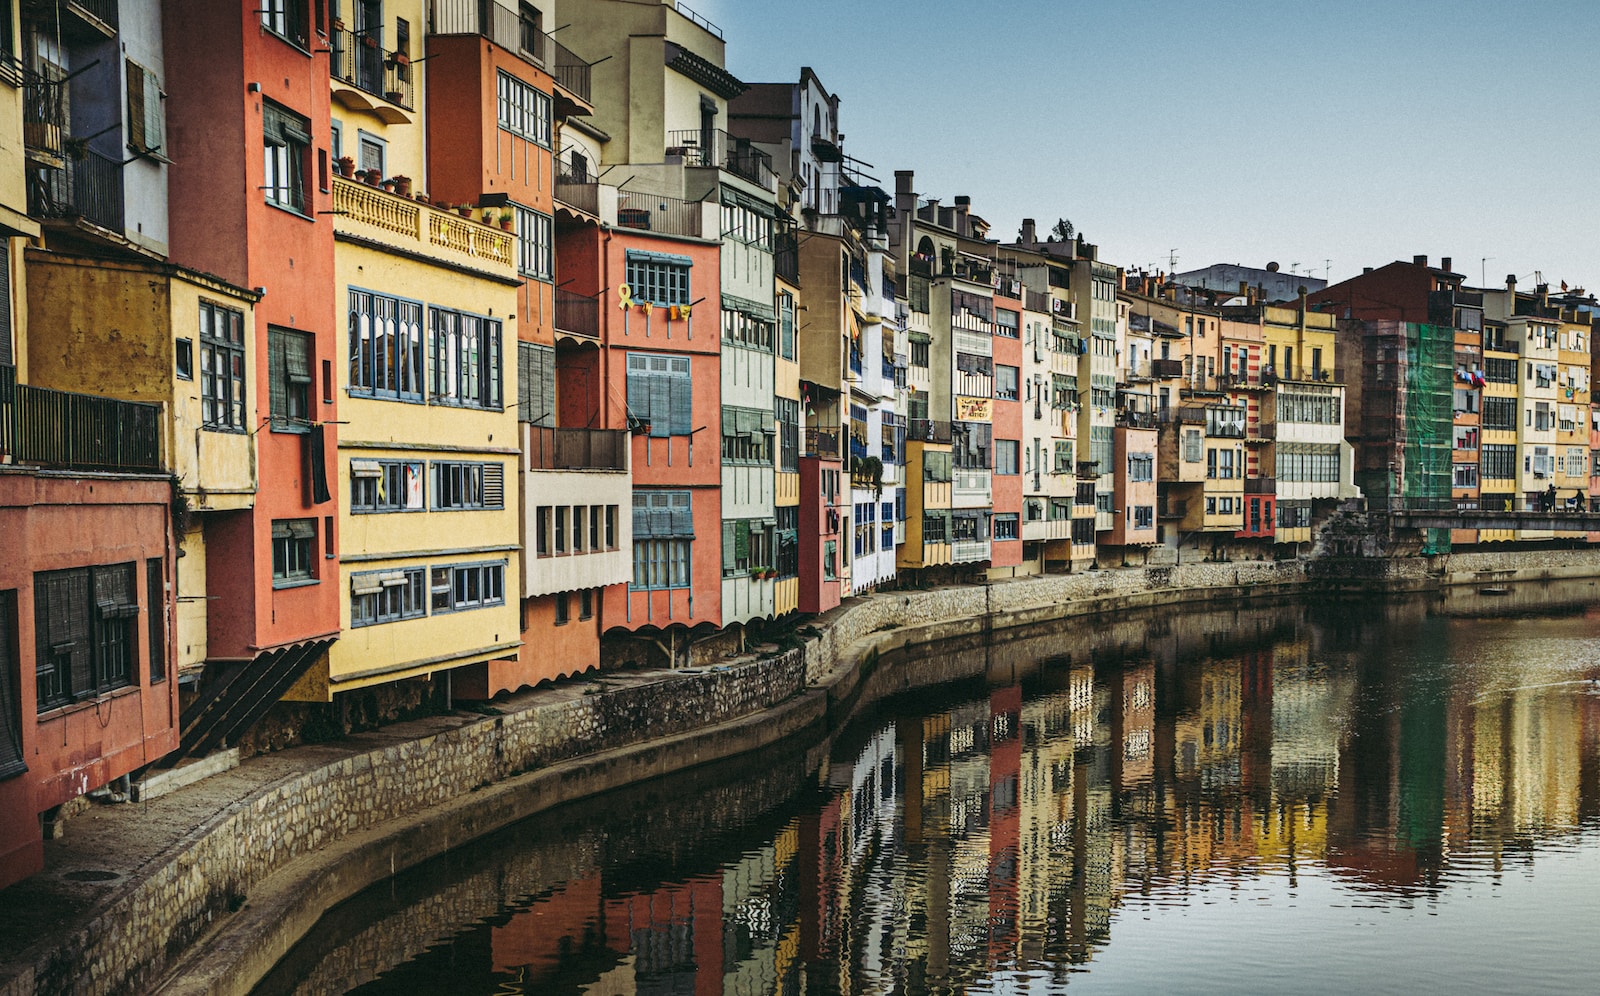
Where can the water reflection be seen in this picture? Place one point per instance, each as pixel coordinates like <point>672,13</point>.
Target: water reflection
<point>1279,796</point>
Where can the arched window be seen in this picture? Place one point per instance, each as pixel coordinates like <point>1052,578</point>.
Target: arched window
<point>816,121</point>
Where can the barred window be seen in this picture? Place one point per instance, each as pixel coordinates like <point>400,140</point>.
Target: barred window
<point>1499,461</point>
<point>1499,413</point>
<point>658,278</point>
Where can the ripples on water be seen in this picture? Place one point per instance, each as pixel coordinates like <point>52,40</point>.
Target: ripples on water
<point>1366,797</point>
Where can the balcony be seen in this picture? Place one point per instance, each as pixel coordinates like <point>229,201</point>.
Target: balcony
<point>89,189</point>
<point>44,117</point>
<point>658,213</point>
<point>822,442</point>
<point>1136,420</point>
<point>360,69</point>
<point>1162,369</point>
<point>577,449</point>
<point>969,487</point>
<point>571,72</point>
<point>579,191</point>
<point>922,430</point>
<point>1260,485</point>
<point>716,148</point>
<point>577,314</point>
<point>62,430</point>
<point>1186,415</point>
<point>969,551</point>
<point>368,214</point>
<point>1173,509</point>
<point>492,19</point>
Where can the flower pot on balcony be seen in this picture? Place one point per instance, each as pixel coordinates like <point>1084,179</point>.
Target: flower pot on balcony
<point>402,185</point>
<point>346,166</point>
<point>337,24</point>
<point>369,42</point>
<point>394,96</point>
<point>464,210</point>
<point>387,185</point>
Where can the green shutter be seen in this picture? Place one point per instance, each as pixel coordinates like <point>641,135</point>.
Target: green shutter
<point>729,546</point>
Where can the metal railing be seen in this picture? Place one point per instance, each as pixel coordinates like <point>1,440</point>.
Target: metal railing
<point>924,430</point>
<point>571,72</point>
<point>715,147</point>
<point>822,441</point>
<point>500,25</point>
<point>1162,369</point>
<point>358,58</point>
<point>44,116</point>
<point>658,213</point>
<point>103,10</point>
<point>697,19</point>
<point>62,429</point>
<point>1136,420</point>
<point>580,191</point>
<point>577,313</point>
<point>1260,485</point>
<point>89,188</point>
<point>577,449</point>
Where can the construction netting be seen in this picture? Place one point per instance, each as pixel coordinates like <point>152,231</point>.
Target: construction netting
<point>1407,418</point>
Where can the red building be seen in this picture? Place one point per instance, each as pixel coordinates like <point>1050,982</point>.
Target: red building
<point>1006,487</point>
<point>821,513</point>
<point>262,88</point>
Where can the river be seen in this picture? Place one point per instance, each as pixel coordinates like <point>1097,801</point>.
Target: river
<point>1396,795</point>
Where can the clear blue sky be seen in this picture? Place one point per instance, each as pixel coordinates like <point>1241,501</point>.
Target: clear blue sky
<point>1234,131</point>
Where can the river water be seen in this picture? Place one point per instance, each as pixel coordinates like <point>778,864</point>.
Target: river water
<point>1328,797</point>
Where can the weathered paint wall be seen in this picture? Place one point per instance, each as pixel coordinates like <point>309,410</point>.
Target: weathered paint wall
<point>52,522</point>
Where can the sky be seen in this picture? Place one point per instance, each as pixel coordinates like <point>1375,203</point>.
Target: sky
<point>1324,136</point>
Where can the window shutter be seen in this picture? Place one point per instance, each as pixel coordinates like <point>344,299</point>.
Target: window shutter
<point>741,538</point>
<point>277,376</point>
<point>641,516</point>
<point>660,515</point>
<point>6,354</point>
<point>729,545</point>
<point>136,112</point>
<point>296,358</point>
<point>494,485</point>
<point>660,407</point>
<point>682,413</point>
<point>155,124</point>
<point>682,516</point>
<point>11,757</point>
<point>638,392</point>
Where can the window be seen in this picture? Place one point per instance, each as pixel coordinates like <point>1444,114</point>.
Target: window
<point>289,378</point>
<point>536,383</point>
<point>535,257</point>
<point>1499,413</point>
<point>658,277</point>
<point>830,560</point>
<point>919,353</point>
<point>155,601</point>
<point>563,609</point>
<point>660,393</point>
<point>468,486</point>
<point>222,390</point>
<point>1465,399</point>
<point>663,529</point>
<point>970,445</point>
<point>745,329</point>
<point>747,545</point>
<point>371,153</point>
<point>386,486</point>
<point>586,603</point>
<point>1316,409</point>
<point>1465,475</point>
<point>86,621</point>
<point>293,542</point>
<point>1005,382</point>
<point>524,111</point>
<point>1005,526</point>
<point>1498,461</point>
<point>1499,370</point>
<point>746,220</point>
<point>184,355</point>
<point>787,413</point>
<point>1006,322</point>
<point>1466,437</point>
<point>387,596</point>
<point>464,359</point>
<point>1063,455</point>
<point>11,756</point>
<point>287,138</point>
<point>1308,462</point>
<point>1293,516</point>
<point>1142,516</point>
<point>385,346</point>
<point>286,19</point>
<point>468,586</point>
<point>146,122</point>
<point>1005,456</point>
<point>530,35</point>
<point>1102,448</point>
<point>1141,466</point>
<point>786,325</point>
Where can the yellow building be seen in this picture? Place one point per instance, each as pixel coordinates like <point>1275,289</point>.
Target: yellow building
<point>1500,419</point>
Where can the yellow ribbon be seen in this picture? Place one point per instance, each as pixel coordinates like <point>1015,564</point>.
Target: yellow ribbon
<point>625,294</point>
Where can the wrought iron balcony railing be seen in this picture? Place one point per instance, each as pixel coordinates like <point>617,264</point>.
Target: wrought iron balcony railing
<point>61,429</point>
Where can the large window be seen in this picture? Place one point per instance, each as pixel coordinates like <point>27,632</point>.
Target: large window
<point>1317,409</point>
<point>1005,456</point>
<point>536,384</point>
<point>1005,526</point>
<point>660,393</point>
<point>524,110</point>
<point>387,596</point>
<point>86,623</point>
<point>1499,413</point>
<point>747,545</point>
<point>787,413</point>
<point>746,329</point>
<point>658,278</point>
<point>294,543</point>
<point>1314,462</point>
<point>286,18</point>
<point>386,486</point>
<point>663,531</point>
<point>287,138</point>
<point>464,359</point>
<point>468,486</point>
<point>289,378</point>
<point>970,445</point>
<point>468,586</point>
<point>222,384</point>
<point>1141,466</point>
<point>1005,382</point>
<point>1499,461</point>
<point>385,346</point>
<point>11,757</point>
<point>747,436</point>
<point>535,257</point>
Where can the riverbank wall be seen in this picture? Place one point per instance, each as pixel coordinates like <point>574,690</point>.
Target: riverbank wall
<point>218,907</point>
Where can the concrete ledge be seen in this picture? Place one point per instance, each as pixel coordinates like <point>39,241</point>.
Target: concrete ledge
<point>158,783</point>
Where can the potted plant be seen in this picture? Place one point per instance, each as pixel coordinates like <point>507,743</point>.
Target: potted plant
<point>372,178</point>
<point>508,218</point>
<point>337,23</point>
<point>387,185</point>
<point>422,199</point>
<point>369,41</point>
<point>464,210</point>
<point>402,185</point>
<point>346,166</point>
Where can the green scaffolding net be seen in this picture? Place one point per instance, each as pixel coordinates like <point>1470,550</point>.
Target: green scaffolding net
<point>1428,420</point>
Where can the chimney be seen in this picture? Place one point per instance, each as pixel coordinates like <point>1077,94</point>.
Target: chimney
<point>1444,262</point>
<point>1029,236</point>
<point>1366,269</point>
<point>1543,290</point>
<point>963,205</point>
<point>1420,260</point>
<point>905,196</point>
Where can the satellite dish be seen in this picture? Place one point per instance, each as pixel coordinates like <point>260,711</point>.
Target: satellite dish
<point>1272,267</point>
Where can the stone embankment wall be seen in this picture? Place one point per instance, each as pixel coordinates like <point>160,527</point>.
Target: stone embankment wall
<point>137,938</point>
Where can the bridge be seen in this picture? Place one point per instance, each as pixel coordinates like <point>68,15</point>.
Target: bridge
<point>1526,514</point>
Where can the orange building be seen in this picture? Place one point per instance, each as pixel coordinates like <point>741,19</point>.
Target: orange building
<point>1006,489</point>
